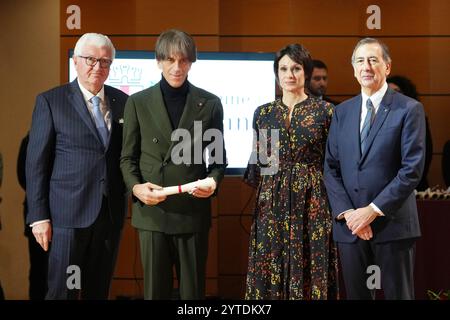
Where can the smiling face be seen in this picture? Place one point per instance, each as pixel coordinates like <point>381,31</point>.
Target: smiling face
<point>291,75</point>
<point>92,77</point>
<point>175,69</point>
<point>369,67</point>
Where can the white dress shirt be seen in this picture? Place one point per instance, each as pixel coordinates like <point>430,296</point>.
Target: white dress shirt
<point>376,101</point>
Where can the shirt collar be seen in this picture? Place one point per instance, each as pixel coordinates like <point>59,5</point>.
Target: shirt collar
<point>376,97</point>
<point>87,95</point>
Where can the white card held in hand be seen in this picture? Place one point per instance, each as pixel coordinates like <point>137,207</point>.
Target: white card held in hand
<point>206,183</point>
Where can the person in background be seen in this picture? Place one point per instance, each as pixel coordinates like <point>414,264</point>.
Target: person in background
<point>446,163</point>
<point>37,276</point>
<point>404,85</point>
<point>2,295</point>
<point>291,251</point>
<point>173,231</point>
<point>75,191</point>
<point>374,161</point>
<point>318,84</point>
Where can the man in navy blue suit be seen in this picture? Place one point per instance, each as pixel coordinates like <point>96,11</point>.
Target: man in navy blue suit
<point>374,160</point>
<point>75,190</point>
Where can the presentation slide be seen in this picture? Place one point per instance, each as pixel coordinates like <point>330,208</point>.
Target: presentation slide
<point>243,81</point>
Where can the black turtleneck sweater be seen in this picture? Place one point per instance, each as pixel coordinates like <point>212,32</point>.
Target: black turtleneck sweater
<point>175,100</point>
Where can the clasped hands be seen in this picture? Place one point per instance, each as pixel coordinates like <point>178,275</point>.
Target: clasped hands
<point>152,194</point>
<point>359,220</point>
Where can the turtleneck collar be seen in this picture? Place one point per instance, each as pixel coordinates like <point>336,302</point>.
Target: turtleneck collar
<point>172,93</point>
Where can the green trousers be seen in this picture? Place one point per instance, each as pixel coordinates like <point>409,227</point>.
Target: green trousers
<point>161,252</point>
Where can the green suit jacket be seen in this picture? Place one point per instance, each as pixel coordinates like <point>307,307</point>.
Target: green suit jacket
<point>148,156</point>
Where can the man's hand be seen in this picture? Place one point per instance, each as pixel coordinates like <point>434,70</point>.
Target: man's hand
<point>365,233</point>
<point>43,234</point>
<point>204,192</point>
<point>145,193</point>
<point>360,218</point>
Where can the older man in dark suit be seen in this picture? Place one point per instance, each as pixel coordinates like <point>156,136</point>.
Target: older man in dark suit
<point>374,160</point>
<point>75,190</point>
<point>173,231</point>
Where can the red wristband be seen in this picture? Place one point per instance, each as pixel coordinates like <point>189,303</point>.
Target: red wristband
<point>179,189</point>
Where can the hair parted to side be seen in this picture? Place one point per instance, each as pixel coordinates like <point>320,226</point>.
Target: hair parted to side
<point>175,41</point>
<point>94,39</point>
<point>384,48</point>
<point>298,54</point>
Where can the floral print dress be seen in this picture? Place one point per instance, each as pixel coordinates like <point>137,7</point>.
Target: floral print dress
<point>291,253</point>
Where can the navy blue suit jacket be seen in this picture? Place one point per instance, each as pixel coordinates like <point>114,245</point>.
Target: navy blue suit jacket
<point>67,168</point>
<point>386,174</point>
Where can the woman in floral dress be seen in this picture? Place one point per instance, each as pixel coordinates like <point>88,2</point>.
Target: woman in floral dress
<point>291,254</point>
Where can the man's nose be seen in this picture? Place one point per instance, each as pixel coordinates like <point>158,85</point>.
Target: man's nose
<point>97,66</point>
<point>177,65</point>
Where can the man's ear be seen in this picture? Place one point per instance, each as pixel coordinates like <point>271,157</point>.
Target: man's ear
<point>159,63</point>
<point>388,69</point>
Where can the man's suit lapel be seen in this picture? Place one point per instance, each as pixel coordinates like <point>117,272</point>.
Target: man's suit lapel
<point>113,105</point>
<point>194,103</point>
<point>353,127</point>
<point>383,111</point>
<point>159,113</point>
<point>77,101</point>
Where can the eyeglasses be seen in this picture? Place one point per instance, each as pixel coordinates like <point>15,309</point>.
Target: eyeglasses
<point>91,61</point>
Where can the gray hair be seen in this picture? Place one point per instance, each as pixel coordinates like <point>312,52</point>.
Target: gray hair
<point>384,48</point>
<point>175,42</point>
<point>95,39</point>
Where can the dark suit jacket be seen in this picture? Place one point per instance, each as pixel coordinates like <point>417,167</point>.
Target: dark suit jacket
<point>67,166</point>
<point>386,174</point>
<point>146,157</point>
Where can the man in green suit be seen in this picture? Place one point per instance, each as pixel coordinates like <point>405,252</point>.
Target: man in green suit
<point>167,128</point>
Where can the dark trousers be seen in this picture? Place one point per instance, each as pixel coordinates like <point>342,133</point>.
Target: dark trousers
<point>395,260</point>
<point>160,252</point>
<point>37,275</point>
<point>93,250</point>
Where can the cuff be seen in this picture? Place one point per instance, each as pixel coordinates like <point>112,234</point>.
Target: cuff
<point>376,209</point>
<point>39,222</point>
<point>340,216</point>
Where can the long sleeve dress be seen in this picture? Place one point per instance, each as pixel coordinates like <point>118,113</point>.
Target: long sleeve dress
<point>291,253</point>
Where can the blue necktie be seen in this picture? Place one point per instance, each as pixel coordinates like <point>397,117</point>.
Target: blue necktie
<point>99,120</point>
<point>367,124</point>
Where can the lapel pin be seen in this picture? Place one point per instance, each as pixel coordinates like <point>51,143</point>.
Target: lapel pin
<point>200,104</point>
<point>121,120</point>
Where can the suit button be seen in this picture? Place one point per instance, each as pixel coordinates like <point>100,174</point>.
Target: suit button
<point>356,190</point>
<point>164,163</point>
<point>155,140</point>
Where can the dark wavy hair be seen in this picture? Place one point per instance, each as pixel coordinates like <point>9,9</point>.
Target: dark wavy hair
<point>297,53</point>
